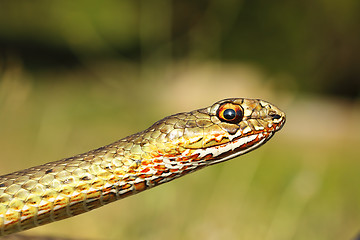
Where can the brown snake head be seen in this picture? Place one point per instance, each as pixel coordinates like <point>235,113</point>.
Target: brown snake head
<point>226,129</point>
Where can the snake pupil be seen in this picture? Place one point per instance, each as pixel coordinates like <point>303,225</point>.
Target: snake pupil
<point>229,114</point>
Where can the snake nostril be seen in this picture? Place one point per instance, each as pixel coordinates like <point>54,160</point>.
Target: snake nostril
<point>275,116</point>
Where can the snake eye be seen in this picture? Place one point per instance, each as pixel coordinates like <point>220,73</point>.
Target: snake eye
<point>229,112</point>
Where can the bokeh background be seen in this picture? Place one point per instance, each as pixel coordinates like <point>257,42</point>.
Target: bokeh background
<point>75,75</point>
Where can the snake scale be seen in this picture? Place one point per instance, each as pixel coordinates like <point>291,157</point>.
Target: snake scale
<point>170,148</point>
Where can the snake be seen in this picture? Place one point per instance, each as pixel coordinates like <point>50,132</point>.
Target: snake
<point>171,148</point>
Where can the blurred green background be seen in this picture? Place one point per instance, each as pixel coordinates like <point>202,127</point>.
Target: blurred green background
<point>75,75</point>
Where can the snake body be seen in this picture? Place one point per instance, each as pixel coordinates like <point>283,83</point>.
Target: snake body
<point>170,148</point>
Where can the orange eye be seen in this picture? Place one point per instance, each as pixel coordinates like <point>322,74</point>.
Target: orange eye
<point>229,112</point>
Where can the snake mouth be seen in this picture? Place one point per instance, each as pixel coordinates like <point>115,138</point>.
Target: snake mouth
<point>234,148</point>
<point>242,145</point>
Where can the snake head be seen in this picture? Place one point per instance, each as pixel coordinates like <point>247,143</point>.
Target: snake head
<point>226,129</point>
